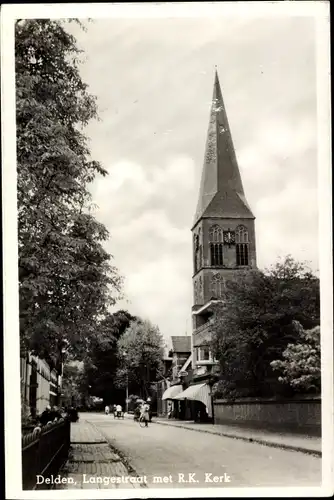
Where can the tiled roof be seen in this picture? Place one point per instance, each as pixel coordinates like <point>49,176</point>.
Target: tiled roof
<point>181,344</point>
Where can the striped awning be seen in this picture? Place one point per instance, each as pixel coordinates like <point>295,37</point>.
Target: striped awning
<point>198,392</point>
<point>172,391</point>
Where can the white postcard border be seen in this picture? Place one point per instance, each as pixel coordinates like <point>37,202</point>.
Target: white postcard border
<point>9,13</point>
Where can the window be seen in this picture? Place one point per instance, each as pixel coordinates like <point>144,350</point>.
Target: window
<point>203,354</point>
<point>241,235</point>
<point>217,286</point>
<point>197,251</point>
<point>242,246</point>
<point>216,245</point>
<point>196,290</point>
<point>216,234</point>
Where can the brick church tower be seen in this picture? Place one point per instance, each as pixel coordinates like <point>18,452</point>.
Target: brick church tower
<point>223,230</point>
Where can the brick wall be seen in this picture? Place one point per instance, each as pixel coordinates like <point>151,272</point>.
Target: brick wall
<point>296,415</point>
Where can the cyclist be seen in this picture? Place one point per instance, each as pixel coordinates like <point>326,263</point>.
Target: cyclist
<point>137,413</point>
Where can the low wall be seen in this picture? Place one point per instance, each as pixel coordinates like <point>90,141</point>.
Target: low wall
<point>302,415</point>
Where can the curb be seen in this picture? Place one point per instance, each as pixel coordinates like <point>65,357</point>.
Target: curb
<point>250,440</point>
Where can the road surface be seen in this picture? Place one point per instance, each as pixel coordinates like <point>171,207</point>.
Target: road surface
<point>176,457</point>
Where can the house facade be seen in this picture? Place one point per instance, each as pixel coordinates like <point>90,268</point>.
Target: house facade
<point>181,355</point>
<point>162,386</point>
<point>40,384</point>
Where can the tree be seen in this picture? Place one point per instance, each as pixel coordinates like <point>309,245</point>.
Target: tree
<point>102,362</point>
<point>71,384</point>
<point>253,325</point>
<point>66,278</point>
<point>301,362</point>
<point>141,353</point>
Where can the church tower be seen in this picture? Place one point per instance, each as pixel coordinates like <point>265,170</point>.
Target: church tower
<point>223,229</point>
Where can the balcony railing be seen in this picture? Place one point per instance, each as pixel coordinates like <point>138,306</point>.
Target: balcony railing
<point>204,327</point>
<point>206,367</point>
<point>207,362</point>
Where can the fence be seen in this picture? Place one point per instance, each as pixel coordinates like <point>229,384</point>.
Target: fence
<point>43,453</point>
<point>302,415</point>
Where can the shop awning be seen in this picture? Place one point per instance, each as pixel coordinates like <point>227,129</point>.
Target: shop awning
<point>172,391</point>
<point>198,392</point>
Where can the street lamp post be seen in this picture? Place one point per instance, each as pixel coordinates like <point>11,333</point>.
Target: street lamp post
<point>127,392</point>
<point>127,386</point>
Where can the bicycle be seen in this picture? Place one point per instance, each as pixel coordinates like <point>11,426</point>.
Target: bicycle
<point>142,421</point>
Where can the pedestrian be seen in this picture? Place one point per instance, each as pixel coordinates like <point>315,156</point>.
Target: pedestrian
<point>150,410</point>
<point>169,410</point>
<point>119,411</point>
<point>64,412</point>
<point>46,416</point>
<point>56,415</point>
<point>106,410</point>
<point>136,415</point>
<point>145,413</point>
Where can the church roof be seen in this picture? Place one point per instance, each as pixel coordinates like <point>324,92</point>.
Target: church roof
<point>221,191</point>
<point>181,344</point>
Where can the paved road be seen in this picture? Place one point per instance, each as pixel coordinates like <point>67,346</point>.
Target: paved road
<point>164,451</point>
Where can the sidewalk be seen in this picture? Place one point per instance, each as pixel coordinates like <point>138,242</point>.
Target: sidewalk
<point>288,441</point>
<point>91,460</point>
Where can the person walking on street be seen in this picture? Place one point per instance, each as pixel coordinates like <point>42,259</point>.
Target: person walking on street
<point>145,413</point>
<point>106,410</point>
<point>119,411</point>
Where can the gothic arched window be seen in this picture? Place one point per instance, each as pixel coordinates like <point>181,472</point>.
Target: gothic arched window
<point>242,246</point>
<point>216,245</point>
<point>197,252</point>
<point>217,286</point>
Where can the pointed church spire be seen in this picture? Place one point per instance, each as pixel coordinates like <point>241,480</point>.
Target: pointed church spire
<point>221,192</point>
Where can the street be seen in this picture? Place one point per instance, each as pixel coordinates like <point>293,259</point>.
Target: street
<point>163,454</point>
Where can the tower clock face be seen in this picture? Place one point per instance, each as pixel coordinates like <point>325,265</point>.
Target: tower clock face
<point>229,237</point>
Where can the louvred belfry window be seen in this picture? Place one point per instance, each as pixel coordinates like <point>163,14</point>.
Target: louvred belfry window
<point>216,245</point>
<point>242,246</point>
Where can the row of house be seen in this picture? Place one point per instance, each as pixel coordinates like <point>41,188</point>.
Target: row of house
<point>223,245</point>
<point>40,384</point>
<point>185,392</point>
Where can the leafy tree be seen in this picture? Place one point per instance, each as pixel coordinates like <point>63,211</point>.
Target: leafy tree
<point>253,325</point>
<point>102,362</point>
<point>71,384</point>
<point>301,362</point>
<point>66,279</point>
<point>141,353</point>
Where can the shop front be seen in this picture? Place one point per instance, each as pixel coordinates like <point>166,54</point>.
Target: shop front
<point>197,400</point>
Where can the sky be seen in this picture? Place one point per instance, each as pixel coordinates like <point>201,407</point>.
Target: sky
<point>153,79</point>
